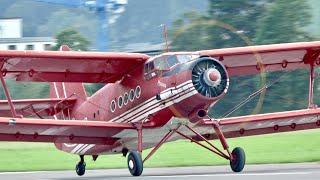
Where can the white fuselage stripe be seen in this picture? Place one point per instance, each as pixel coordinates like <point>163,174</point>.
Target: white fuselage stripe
<point>157,106</point>
<point>185,92</point>
<point>86,149</point>
<point>80,149</point>
<point>147,103</point>
<point>76,148</point>
<point>55,89</point>
<point>166,105</point>
<point>64,90</point>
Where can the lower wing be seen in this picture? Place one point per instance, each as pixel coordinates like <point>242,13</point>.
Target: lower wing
<point>60,131</point>
<point>266,123</point>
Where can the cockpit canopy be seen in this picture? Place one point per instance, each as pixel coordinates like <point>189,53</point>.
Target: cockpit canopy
<point>167,61</point>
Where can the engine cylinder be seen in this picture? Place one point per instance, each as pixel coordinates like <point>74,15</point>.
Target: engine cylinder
<point>210,77</point>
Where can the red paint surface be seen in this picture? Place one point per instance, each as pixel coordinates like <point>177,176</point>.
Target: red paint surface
<point>95,123</point>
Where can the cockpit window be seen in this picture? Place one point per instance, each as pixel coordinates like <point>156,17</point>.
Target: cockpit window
<point>151,66</point>
<point>161,64</point>
<point>172,60</point>
<point>187,57</point>
<point>145,68</point>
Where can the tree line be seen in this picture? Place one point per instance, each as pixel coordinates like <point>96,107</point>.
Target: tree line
<point>236,23</point>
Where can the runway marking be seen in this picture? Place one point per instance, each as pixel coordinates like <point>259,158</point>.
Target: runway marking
<point>26,172</point>
<point>235,174</point>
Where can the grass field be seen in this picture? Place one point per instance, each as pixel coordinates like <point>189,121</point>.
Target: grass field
<point>303,146</point>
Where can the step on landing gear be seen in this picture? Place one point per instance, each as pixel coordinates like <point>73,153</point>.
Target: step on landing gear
<point>81,166</point>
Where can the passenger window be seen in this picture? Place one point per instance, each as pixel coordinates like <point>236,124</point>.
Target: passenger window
<point>161,64</point>
<point>172,60</point>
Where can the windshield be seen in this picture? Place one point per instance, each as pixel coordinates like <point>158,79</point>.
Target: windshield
<point>172,60</point>
<point>187,57</point>
<point>161,64</point>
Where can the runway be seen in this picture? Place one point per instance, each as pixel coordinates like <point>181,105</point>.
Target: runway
<point>298,171</point>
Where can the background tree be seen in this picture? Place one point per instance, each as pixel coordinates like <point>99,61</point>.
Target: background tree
<point>228,24</point>
<point>81,19</point>
<point>240,14</point>
<point>73,39</point>
<point>284,21</point>
<point>190,32</point>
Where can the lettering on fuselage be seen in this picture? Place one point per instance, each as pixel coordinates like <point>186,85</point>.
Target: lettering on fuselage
<point>162,84</point>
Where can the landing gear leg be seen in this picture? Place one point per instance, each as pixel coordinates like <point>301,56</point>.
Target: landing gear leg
<point>81,166</point>
<point>237,156</point>
<point>135,163</point>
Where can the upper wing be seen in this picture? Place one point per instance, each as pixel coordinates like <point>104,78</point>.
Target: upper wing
<point>68,66</point>
<point>252,59</point>
<point>36,107</point>
<point>269,123</point>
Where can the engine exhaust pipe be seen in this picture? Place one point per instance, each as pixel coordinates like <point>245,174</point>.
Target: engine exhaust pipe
<point>197,115</point>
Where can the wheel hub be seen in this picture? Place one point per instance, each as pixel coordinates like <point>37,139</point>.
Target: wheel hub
<point>131,164</point>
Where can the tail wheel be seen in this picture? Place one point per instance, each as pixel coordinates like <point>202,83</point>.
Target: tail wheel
<point>81,168</point>
<point>135,164</point>
<point>239,159</point>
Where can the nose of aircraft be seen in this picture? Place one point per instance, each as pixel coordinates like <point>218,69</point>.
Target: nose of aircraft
<point>209,77</point>
<point>212,77</point>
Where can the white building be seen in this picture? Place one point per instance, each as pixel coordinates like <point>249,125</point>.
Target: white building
<point>11,37</point>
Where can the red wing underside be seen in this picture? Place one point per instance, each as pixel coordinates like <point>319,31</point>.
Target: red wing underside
<point>68,66</point>
<point>59,131</point>
<point>267,58</point>
<point>269,123</point>
<point>36,107</point>
<point>94,132</point>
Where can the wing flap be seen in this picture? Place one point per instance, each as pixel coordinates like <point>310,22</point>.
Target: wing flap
<point>266,58</point>
<point>68,66</point>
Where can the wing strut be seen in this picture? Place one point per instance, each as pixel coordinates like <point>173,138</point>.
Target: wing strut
<point>313,59</point>
<point>4,86</point>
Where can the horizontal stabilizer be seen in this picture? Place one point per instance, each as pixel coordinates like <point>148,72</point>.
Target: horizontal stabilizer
<point>36,107</point>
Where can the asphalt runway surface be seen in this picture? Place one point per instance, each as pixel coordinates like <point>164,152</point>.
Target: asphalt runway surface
<point>305,171</point>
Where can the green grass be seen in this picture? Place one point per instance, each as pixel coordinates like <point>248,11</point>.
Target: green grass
<point>303,146</point>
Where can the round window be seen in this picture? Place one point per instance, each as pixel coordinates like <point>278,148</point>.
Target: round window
<point>126,98</point>
<point>113,106</point>
<point>131,95</point>
<point>120,101</point>
<point>138,92</point>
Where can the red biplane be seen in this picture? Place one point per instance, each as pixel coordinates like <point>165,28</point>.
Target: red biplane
<point>146,101</point>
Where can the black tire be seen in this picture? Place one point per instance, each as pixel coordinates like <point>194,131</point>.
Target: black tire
<point>81,168</point>
<point>135,164</point>
<point>239,159</point>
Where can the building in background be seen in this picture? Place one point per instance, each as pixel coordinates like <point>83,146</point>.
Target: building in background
<point>11,37</point>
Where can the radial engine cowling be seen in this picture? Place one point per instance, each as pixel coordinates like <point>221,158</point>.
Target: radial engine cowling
<point>210,77</point>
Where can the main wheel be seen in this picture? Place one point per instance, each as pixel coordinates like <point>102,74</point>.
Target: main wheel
<point>81,168</point>
<point>135,164</point>
<point>239,159</point>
